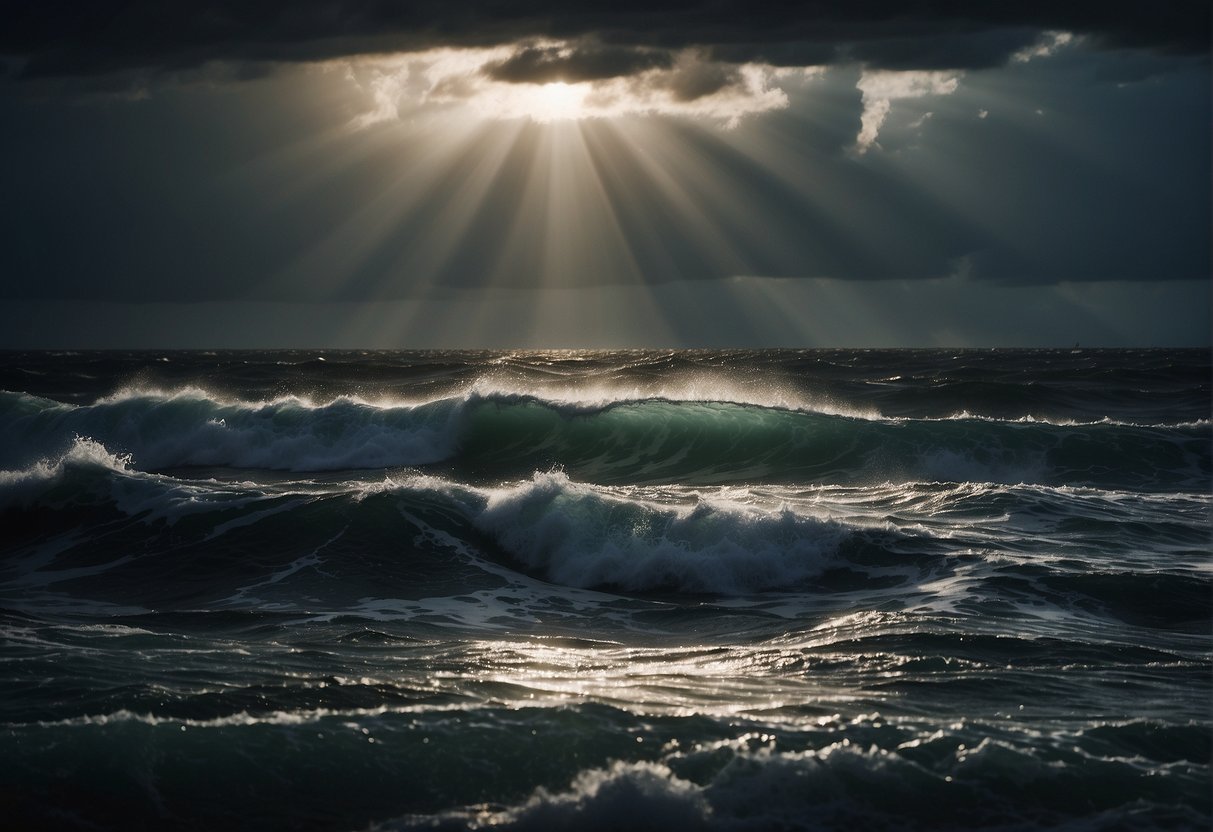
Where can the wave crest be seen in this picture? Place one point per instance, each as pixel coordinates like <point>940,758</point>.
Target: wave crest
<point>581,536</point>
<point>84,453</point>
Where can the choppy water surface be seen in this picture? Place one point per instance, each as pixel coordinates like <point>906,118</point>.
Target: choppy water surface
<point>668,590</point>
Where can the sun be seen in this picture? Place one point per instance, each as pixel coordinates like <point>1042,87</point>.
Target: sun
<point>556,101</point>
<point>542,103</point>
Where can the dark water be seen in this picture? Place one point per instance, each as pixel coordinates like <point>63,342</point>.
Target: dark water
<point>644,590</point>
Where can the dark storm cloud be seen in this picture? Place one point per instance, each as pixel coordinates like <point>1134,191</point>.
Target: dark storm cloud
<point>700,78</point>
<point>539,65</point>
<point>950,50</point>
<point>65,37</point>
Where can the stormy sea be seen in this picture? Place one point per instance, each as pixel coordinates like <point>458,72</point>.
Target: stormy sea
<point>675,590</point>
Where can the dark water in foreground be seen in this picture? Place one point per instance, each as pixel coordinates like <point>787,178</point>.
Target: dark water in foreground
<point>645,590</point>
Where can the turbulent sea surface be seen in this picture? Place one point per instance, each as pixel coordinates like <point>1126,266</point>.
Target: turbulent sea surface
<point>741,590</point>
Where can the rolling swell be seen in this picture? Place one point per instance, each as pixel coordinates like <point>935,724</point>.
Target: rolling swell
<point>280,545</point>
<point>204,540</point>
<point>722,442</point>
<point>498,436</point>
<point>191,428</point>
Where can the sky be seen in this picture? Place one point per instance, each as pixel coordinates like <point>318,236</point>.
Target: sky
<point>668,173</point>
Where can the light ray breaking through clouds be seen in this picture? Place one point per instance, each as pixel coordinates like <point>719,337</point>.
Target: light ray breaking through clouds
<point>467,82</point>
<point>582,152</point>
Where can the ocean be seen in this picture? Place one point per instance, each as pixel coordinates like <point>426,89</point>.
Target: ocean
<point>668,590</point>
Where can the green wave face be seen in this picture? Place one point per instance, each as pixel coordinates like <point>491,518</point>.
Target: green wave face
<point>713,443</point>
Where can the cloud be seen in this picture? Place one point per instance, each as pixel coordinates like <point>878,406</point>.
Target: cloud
<point>1046,46</point>
<point>64,37</point>
<point>489,83</point>
<point>881,88</point>
<point>386,86</point>
<point>695,78</point>
<point>546,64</point>
<point>920,47</point>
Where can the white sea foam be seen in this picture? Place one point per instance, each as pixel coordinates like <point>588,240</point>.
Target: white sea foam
<point>752,785</point>
<point>18,485</point>
<point>152,497</point>
<point>596,393</point>
<point>1105,421</point>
